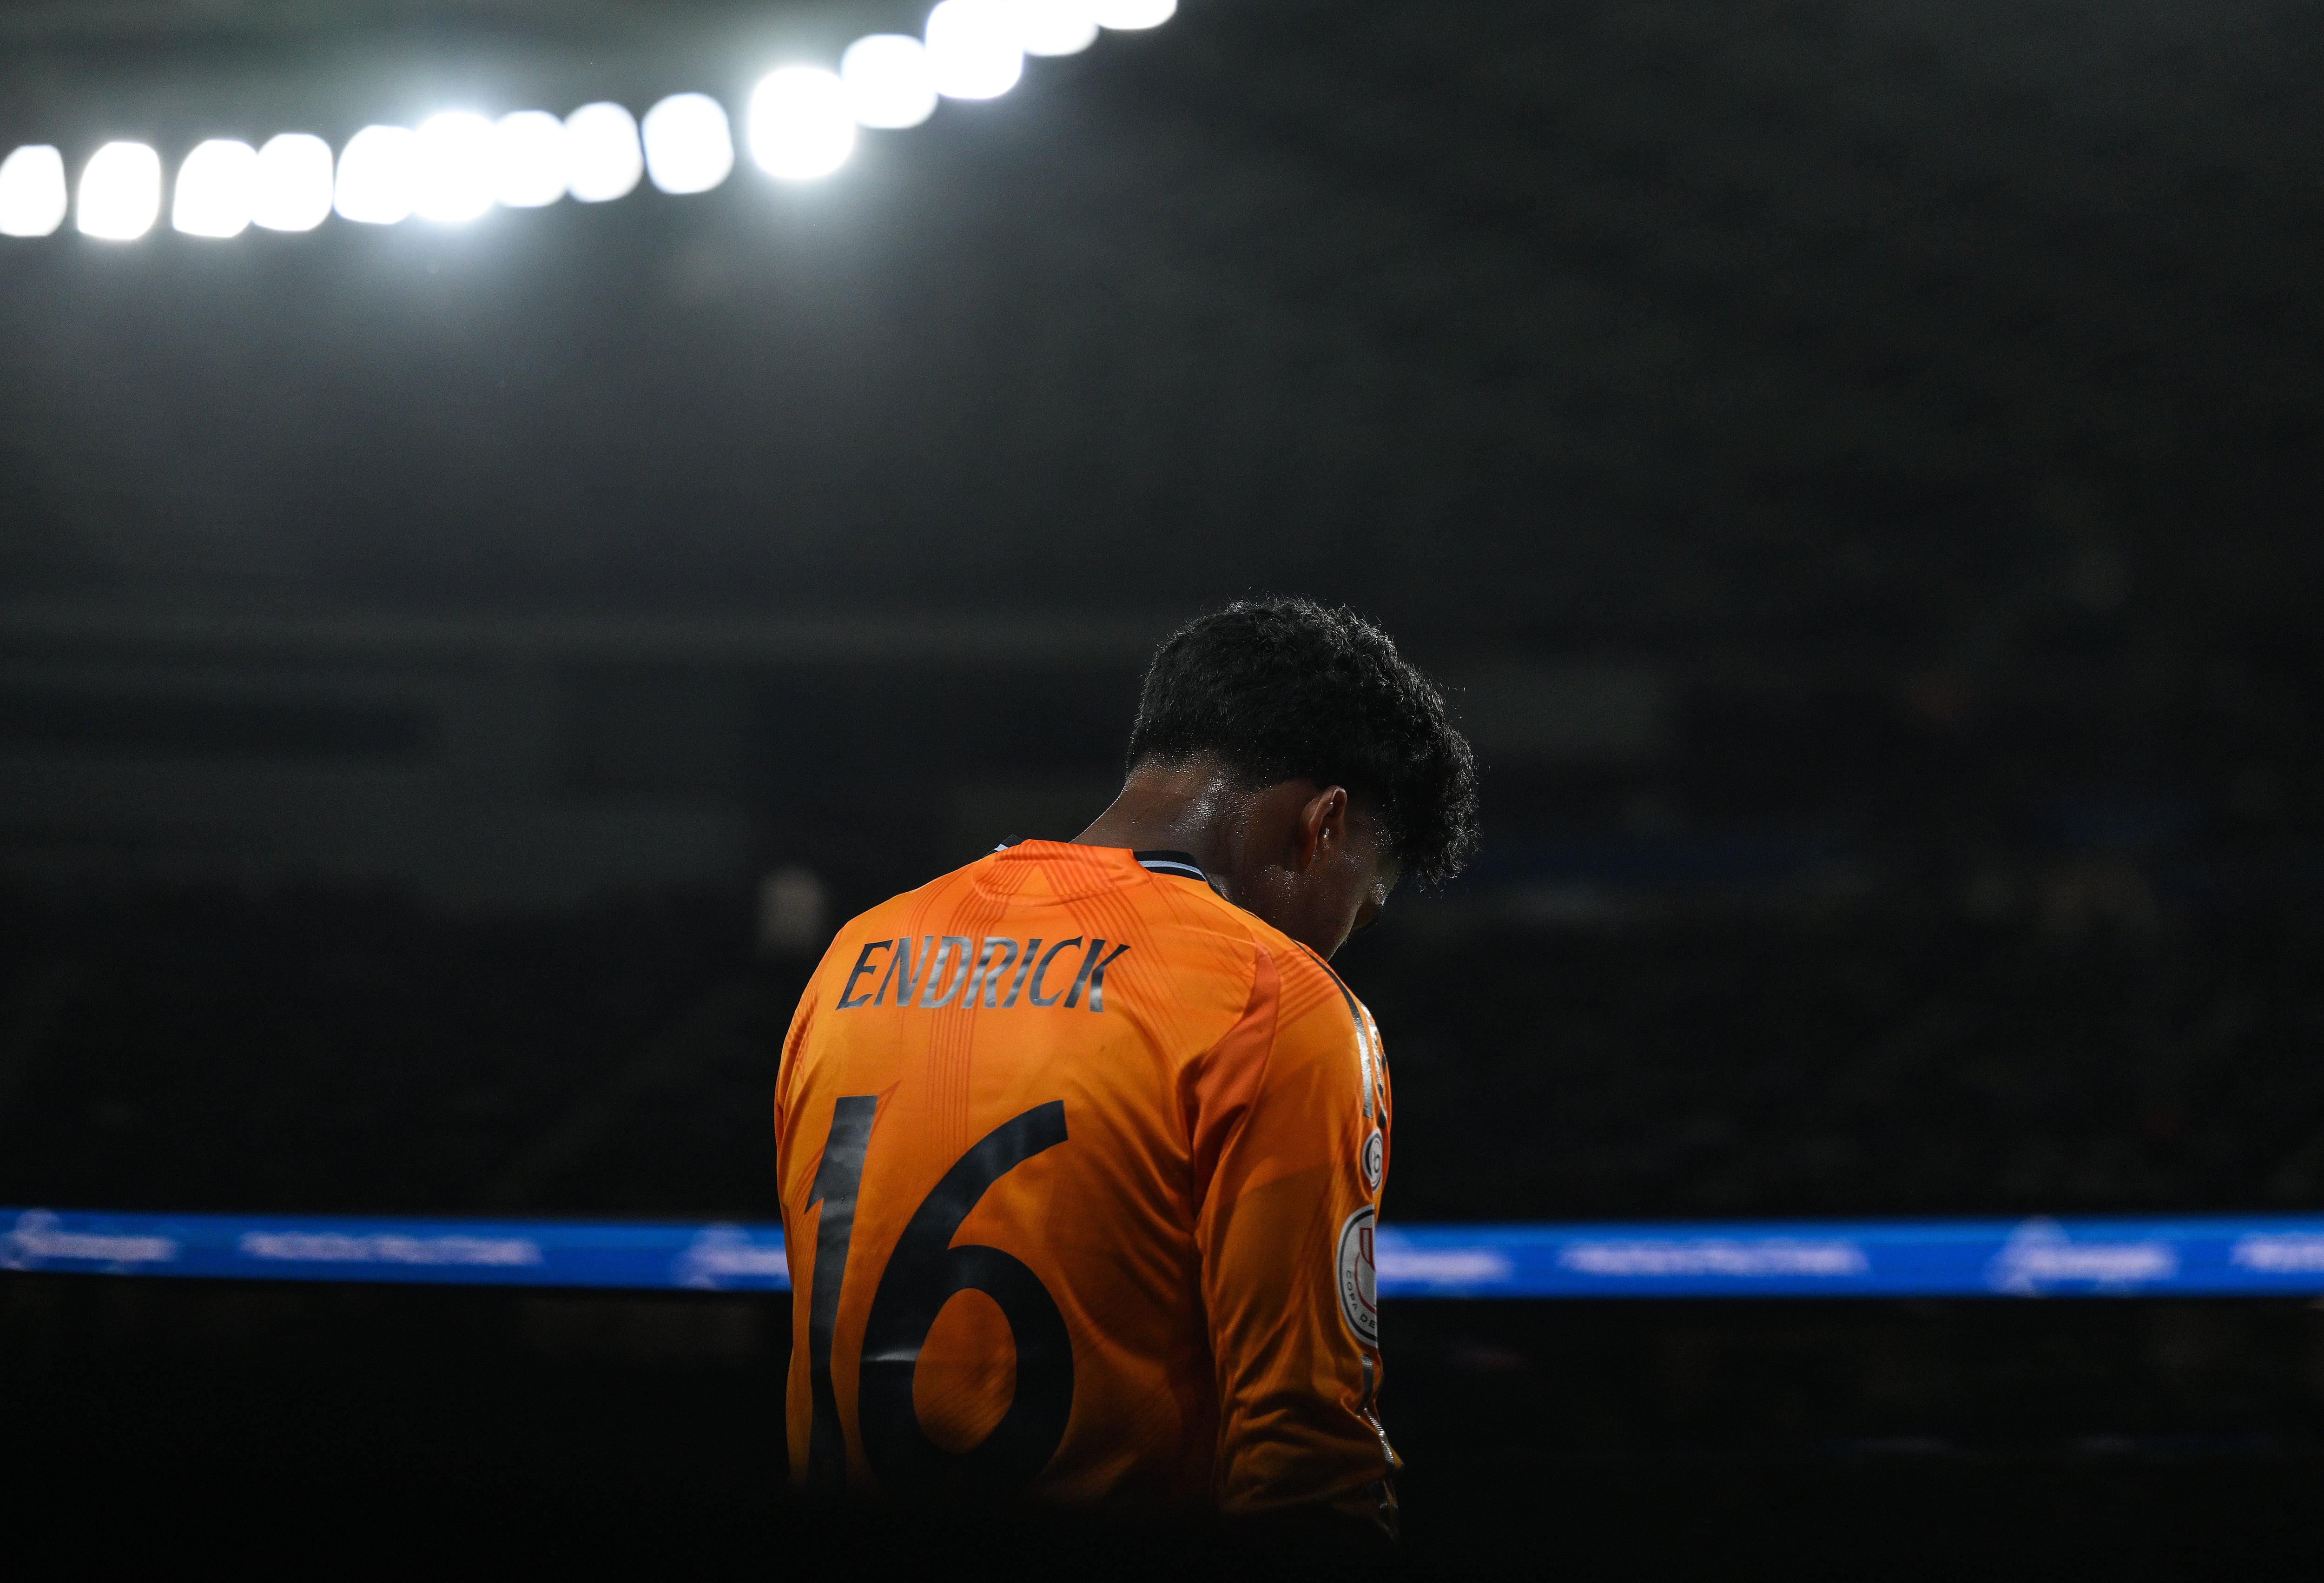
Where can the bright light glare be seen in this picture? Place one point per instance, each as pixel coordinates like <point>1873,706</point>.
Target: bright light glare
<point>31,191</point>
<point>121,192</point>
<point>973,52</point>
<point>456,178</point>
<point>801,124</point>
<point>1128,15</point>
<point>217,187</point>
<point>379,175</point>
<point>529,159</point>
<point>293,182</point>
<point>601,146</point>
<point>1054,27</point>
<point>689,147</point>
<point>888,81</point>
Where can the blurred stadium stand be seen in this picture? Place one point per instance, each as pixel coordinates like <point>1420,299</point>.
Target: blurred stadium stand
<point>333,1050</point>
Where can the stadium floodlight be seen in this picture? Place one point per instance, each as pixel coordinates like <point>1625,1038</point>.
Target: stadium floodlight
<point>801,126</point>
<point>888,81</point>
<point>689,147</point>
<point>1054,27</point>
<point>529,159</point>
<point>293,182</point>
<point>32,197</point>
<point>379,175</point>
<point>120,192</point>
<point>973,51</point>
<point>457,172</point>
<point>1130,16</point>
<point>218,189</point>
<point>604,161</point>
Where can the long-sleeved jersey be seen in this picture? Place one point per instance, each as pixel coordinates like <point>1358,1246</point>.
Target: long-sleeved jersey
<point>1080,1165</point>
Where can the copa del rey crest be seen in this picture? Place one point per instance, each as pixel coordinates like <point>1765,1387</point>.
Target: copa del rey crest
<point>1359,1277</point>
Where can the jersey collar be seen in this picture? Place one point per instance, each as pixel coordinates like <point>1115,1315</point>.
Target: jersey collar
<point>1178,863</point>
<point>1182,864</point>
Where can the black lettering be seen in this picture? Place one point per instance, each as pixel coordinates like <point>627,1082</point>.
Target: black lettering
<point>863,965</point>
<point>1073,995</point>
<point>1095,975</point>
<point>900,970</point>
<point>1035,996</point>
<point>1024,966</point>
<point>934,973</point>
<point>836,1179</point>
<point>924,1272</point>
<point>986,978</point>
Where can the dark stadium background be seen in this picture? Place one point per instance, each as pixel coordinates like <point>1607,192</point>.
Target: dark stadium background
<point>1856,463</point>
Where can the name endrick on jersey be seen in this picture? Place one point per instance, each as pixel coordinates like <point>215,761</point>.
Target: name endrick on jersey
<point>953,969</point>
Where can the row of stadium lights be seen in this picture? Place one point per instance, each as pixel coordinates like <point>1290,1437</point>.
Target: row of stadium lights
<point>800,124</point>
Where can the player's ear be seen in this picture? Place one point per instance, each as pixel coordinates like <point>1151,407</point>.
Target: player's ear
<point>1324,818</point>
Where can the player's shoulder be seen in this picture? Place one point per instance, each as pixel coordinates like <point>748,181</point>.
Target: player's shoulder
<point>925,902</point>
<point>1315,1005</point>
<point>899,910</point>
<point>904,913</point>
<point>1206,924</point>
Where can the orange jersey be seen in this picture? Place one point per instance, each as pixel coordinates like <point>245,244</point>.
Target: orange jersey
<point>1080,1164</point>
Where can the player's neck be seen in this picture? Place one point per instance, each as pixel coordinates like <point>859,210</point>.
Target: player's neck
<point>1197,809</point>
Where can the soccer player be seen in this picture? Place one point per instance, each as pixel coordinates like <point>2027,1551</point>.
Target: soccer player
<point>1081,1147</point>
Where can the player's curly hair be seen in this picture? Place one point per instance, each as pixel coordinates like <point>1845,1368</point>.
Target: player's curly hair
<point>1286,688</point>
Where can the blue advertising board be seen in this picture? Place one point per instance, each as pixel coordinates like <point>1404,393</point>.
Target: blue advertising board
<point>329,1247</point>
<point>2180,1256</point>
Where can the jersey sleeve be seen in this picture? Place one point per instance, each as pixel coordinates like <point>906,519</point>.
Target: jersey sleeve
<point>786,1059</point>
<point>798,1246</point>
<point>1282,1118</point>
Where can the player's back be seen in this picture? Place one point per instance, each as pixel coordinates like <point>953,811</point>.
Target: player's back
<point>1078,1169</point>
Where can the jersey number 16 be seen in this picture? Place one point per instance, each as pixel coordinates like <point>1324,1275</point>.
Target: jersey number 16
<point>922,1275</point>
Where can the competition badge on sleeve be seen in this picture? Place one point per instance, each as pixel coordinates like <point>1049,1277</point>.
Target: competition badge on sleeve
<point>1359,1279</point>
